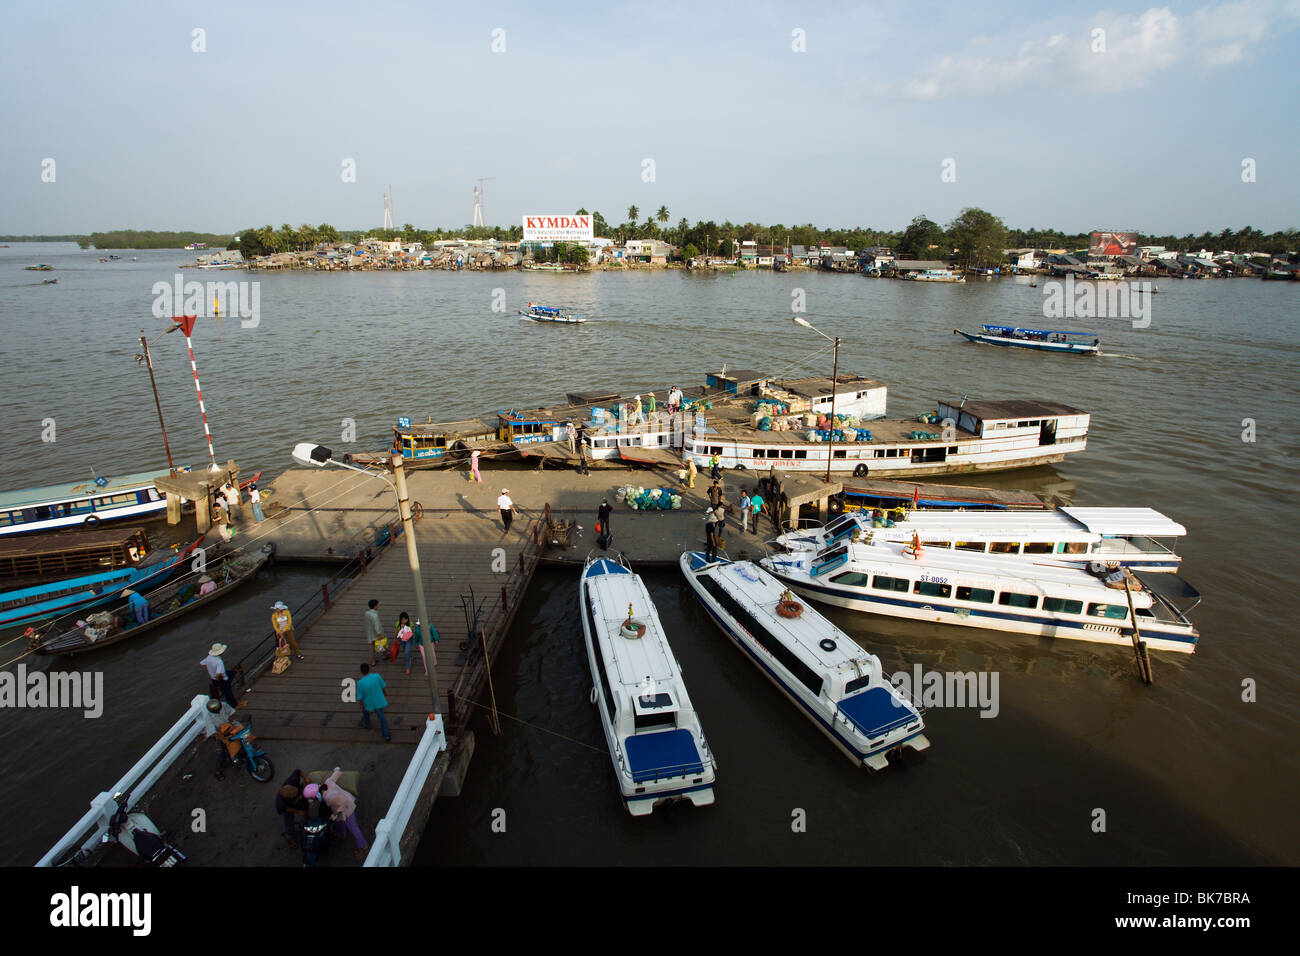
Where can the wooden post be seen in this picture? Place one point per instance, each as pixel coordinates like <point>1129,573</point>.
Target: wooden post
<point>495,721</point>
<point>1139,645</point>
<point>203,508</point>
<point>325,592</point>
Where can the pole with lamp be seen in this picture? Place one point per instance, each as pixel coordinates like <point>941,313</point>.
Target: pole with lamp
<point>318,456</point>
<point>835,376</point>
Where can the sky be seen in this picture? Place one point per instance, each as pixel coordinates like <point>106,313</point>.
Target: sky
<point>219,116</point>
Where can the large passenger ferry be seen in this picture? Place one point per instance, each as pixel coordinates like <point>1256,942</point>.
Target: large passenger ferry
<point>653,733</point>
<point>838,686</point>
<point>81,503</point>
<point>1046,598</point>
<point>1140,538</point>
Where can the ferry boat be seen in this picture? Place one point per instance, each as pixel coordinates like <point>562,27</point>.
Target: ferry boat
<point>1042,340</point>
<point>1081,537</point>
<point>1045,598</point>
<point>542,313</point>
<point>166,604</point>
<point>196,245</point>
<point>26,605</point>
<point>543,267</point>
<point>936,275</point>
<point>654,736</point>
<point>834,683</point>
<point>81,503</point>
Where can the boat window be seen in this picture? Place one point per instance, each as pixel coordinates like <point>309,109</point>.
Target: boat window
<point>829,559</point>
<point>976,546</point>
<point>880,453</point>
<point>937,544</point>
<point>840,453</point>
<point>978,595</point>
<point>800,453</point>
<point>1038,547</point>
<point>932,589</point>
<point>660,719</point>
<point>882,582</point>
<point>891,453</point>
<point>858,683</point>
<point>1012,599</point>
<point>1117,611</point>
<point>1004,547</point>
<point>779,651</point>
<point>760,452</point>
<point>839,524</point>
<point>787,453</point>
<point>854,579</point>
<point>1062,606</point>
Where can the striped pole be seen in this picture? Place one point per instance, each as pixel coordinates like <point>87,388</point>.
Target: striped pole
<point>186,323</point>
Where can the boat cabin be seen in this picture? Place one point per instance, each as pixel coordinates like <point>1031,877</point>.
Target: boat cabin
<point>70,552</point>
<point>80,503</point>
<point>522,427</point>
<point>1047,422</point>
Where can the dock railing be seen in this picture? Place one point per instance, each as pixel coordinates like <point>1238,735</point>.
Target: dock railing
<point>251,665</point>
<point>463,695</point>
<point>85,835</point>
<point>386,850</point>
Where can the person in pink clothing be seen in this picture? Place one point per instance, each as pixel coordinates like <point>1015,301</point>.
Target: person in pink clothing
<point>473,466</point>
<point>343,808</point>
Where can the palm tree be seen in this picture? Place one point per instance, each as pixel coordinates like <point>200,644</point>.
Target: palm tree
<point>662,215</point>
<point>632,213</point>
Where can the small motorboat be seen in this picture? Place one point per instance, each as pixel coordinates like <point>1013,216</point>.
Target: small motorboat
<point>1042,340</point>
<point>542,313</point>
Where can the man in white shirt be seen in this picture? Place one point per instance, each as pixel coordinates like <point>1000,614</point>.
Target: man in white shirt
<point>507,508</point>
<point>572,434</point>
<point>216,669</point>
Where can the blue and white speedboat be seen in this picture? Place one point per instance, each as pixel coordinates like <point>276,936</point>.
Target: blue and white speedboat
<point>653,733</point>
<point>27,605</point>
<point>838,686</point>
<point>1042,340</point>
<point>543,313</point>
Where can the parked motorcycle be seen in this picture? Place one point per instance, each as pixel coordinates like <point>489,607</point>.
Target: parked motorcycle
<point>137,833</point>
<point>238,741</point>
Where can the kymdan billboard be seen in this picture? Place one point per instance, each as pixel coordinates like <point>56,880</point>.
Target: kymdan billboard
<point>570,228</point>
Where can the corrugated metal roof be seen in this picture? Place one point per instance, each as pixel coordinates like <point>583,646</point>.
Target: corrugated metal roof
<point>1014,408</point>
<point>1126,521</point>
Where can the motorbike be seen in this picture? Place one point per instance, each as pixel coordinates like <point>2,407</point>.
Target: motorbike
<point>137,833</point>
<point>314,833</point>
<point>241,749</point>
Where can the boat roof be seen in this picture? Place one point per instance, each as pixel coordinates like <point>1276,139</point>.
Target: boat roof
<point>1011,408</point>
<point>28,497</point>
<point>1118,521</point>
<point>1020,328</point>
<point>30,545</point>
<point>612,587</point>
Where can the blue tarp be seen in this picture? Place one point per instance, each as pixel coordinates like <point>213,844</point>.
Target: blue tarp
<point>605,566</point>
<point>874,711</point>
<point>671,753</point>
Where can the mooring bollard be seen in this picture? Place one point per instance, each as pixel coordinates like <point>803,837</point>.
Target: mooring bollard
<point>503,596</point>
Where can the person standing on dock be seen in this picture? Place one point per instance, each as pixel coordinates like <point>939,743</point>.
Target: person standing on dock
<point>282,624</point>
<point>374,629</point>
<point>216,669</point>
<point>691,472</point>
<point>507,508</point>
<point>675,399</point>
<point>603,515</point>
<point>651,405</point>
<point>756,507</point>
<point>231,493</point>
<point>255,499</point>
<point>715,494</point>
<point>745,505</point>
<point>473,467</point>
<point>715,468</point>
<point>582,451</point>
<point>637,417</point>
<point>572,434</point>
<point>370,695</point>
<point>710,536</point>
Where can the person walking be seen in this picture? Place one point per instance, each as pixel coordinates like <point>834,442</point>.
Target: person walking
<point>216,669</point>
<point>343,808</point>
<point>409,638</point>
<point>282,624</point>
<point>604,514</point>
<point>710,536</point>
<point>691,472</point>
<point>715,467</point>
<point>374,629</point>
<point>582,452</point>
<point>473,467</point>
<point>572,434</point>
<point>507,509</point>
<point>651,405</point>
<point>255,499</point>
<point>370,695</point>
<point>756,506</point>
<point>745,504</point>
<point>290,804</point>
<point>139,605</point>
<point>637,417</point>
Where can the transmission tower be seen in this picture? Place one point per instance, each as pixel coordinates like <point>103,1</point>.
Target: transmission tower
<point>388,209</point>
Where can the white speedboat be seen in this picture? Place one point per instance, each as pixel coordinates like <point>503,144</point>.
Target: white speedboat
<point>654,736</point>
<point>838,686</point>
<point>543,313</point>
<point>1131,537</point>
<point>1048,598</point>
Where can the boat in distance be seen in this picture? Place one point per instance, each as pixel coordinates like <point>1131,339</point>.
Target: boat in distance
<point>833,682</point>
<point>1045,598</point>
<point>543,313</point>
<point>1041,340</point>
<point>1078,536</point>
<point>166,604</point>
<point>654,736</point>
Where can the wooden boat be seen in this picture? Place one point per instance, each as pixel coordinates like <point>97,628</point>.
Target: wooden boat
<point>26,605</point>
<point>50,282</point>
<point>542,313</point>
<point>543,267</point>
<point>166,604</point>
<point>936,275</point>
<point>39,267</point>
<point>1041,340</point>
<point>44,557</point>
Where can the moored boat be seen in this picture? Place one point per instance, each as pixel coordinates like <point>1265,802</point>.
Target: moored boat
<point>1042,340</point>
<point>936,275</point>
<point>26,605</point>
<point>166,604</point>
<point>833,682</point>
<point>653,733</point>
<point>37,558</point>
<point>81,503</point>
<point>1044,598</point>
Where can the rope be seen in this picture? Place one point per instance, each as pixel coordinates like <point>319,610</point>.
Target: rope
<point>520,720</point>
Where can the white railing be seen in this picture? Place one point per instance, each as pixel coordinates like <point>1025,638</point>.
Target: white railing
<point>148,770</point>
<point>386,850</point>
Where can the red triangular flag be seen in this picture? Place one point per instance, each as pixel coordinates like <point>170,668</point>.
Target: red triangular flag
<point>916,496</point>
<point>186,323</point>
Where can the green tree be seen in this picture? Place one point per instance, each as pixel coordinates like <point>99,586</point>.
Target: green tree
<point>918,237</point>
<point>689,251</point>
<point>632,213</point>
<point>979,237</point>
<point>662,216</point>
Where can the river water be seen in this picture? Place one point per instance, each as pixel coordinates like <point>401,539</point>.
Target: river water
<point>1186,771</point>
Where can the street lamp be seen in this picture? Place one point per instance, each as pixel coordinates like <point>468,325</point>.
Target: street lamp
<point>318,456</point>
<point>835,376</point>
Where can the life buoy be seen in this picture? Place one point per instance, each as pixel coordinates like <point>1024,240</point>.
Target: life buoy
<point>836,506</point>
<point>914,553</point>
<point>632,630</point>
<point>592,696</point>
<point>860,471</point>
<point>91,520</point>
<point>789,608</point>
<point>826,644</point>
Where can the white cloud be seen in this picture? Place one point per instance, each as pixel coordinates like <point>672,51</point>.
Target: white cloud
<point>1136,49</point>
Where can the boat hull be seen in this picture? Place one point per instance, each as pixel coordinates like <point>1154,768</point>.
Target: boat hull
<point>1068,348</point>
